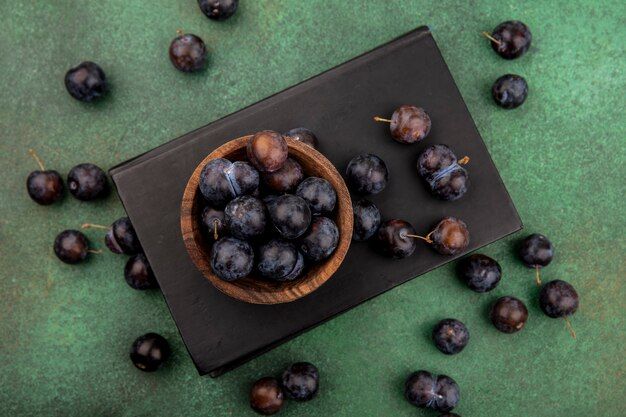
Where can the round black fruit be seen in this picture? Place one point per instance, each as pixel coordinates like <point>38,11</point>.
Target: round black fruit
<point>44,187</point>
<point>138,273</point>
<point>445,177</point>
<point>450,236</point>
<point>321,240</point>
<point>450,336</point>
<point>218,9</point>
<point>71,246</point>
<point>366,220</point>
<point>425,390</point>
<point>266,396</point>
<point>87,182</point>
<point>536,251</point>
<point>367,174</point>
<point>393,240</point>
<point>149,351</point>
<point>214,221</point>
<point>409,124</point>
<point>286,179</point>
<point>188,53</point>
<point>508,314</point>
<point>480,272</point>
<point>290,214</point>
<point>222,180</point>
<point>300,381</point>
<point>280,261</point>
<point>320,195</point>
<point>86,82</point>
<point>558,299</point>
<point>303,135</point>
<point>245,217</point>
<point>511,39</point>
<point>509,91</point>
<point>231,258</point>
<point>122,238</point>
<point>267,150</point>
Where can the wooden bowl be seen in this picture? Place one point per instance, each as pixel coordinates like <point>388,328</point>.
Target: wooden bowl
<point>253,289</point>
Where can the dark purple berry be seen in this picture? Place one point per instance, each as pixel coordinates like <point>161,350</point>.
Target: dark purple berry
<point>536,251</point>
<point>266,396</point>
<point>409,124</point>
<point>321,240</point>
<point>267,150</point>
<point>71,246</point>
<point>111,243</point>
<point>480,272</point>
<point>449,415</point>
<point>280,261</point>
<point>188,53</point>
<point>512,39</point>
<point>558,299</point>
<point>450,336</point>
<point>149,352</point>
<point>303,135</point>
<point>122,238</point>
<point>300,381</point>
<point>290,215</point>
<point>44,187</point>
<point>286,179</point>
<point>366,220</point>
<point>138,273</point>
<point>214,221</point>
<point>222,180</point>
<point>443,174</point>
<point>320,195</point>
<point>87,182</point>
<point>367,174</point>
<point>509,91</point>
<point>450,236</point>
<point>508,314</point>
<point>231,258</point>
<point>393,240</point>
<point>86,82</point>
<point>245,217</point>
<point>425,390</point>
<point>218,9</point>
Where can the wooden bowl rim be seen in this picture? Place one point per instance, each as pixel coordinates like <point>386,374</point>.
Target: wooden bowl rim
<point>283,292</point>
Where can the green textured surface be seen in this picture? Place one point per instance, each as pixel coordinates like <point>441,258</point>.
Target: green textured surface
<point>66,330</point>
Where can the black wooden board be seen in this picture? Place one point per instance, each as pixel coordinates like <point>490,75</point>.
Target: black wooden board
<point>221,333</point>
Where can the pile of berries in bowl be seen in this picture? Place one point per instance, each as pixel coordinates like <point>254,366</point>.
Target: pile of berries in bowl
<point>266,218</point>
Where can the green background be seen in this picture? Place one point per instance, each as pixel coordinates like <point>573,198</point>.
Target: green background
<point>66,330</point>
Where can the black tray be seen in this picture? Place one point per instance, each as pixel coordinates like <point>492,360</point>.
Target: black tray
<point>220,332</point>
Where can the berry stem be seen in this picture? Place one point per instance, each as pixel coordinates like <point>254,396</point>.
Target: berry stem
<point>426,238</point>
<point>179,32</point>
<point>215,222</point>
<point>380,119</point>
<point>570,327</point>
<point>37,159</point>
<point>96,251</point>
<point>491,38</point>
<point>93,226</point>
<point>463,160</point>
<point>537,276</point>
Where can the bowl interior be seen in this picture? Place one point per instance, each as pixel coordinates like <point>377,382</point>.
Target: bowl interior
<point>254,289</point>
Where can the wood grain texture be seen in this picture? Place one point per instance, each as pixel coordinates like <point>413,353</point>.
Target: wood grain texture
<point>253,289</point>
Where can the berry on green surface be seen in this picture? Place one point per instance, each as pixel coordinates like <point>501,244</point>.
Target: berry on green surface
<point>44,186</point>
<point>188,53</point>
<point>149,352</point>
<point>480,272</point>
<point>86,82</point>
